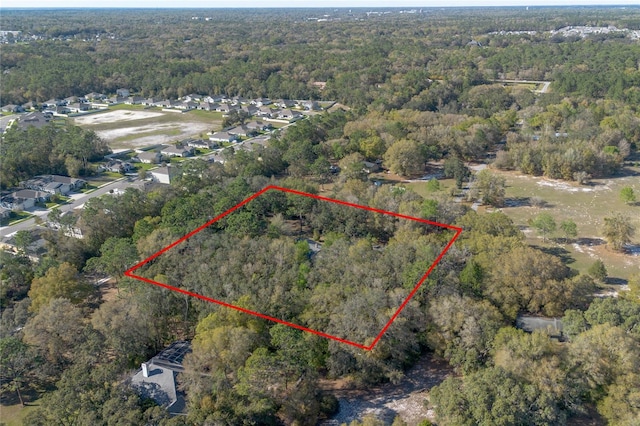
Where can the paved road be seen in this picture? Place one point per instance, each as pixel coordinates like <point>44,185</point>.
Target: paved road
<point>544,89</point>
<point>76,201</point>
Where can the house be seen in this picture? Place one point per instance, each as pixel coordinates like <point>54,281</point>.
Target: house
<point>284,103</point>
<point>52,103</point>
<point>239,100</point>
<point>265,112</point>
<point>226,108</point>
<point>78,107</point>
<point>197,144</point>
<point>163,174</point>
<point>243,131</point>
<point>123,93</point>
<point>370,167</point>
<point>164,104</point>
<point>71,100</point>
<point>35,119</point>
<point>258,125</point>
<point>150,101</point>
<point>250,109</point>
<point>288,114</point>
<point>186,105</point>
<point>150,157</point>
<point>134,100</point>
<point>213,99</point>
<point>309,105</point>
<point>114,100</point>
<point>23,199</point>
<point>261,102</point>
<point>156,379</point>
<point>119,166</point>
<point>93,96</point>
<point>29,106</point>
<point>207,106</point>
<point>222,137</point>
<point>53,184</point>
<point>192,98</point>
<point>12,108</point>
<point>178,151</point>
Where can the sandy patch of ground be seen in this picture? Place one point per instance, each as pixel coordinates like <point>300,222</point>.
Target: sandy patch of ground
<point>405,399</point>
<point>113,116</point>
<point>564,186</point>
<point>174,131</point>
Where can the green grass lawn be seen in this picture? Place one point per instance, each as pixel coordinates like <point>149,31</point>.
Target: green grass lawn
<point>13,415</point>
<point>15,217</point>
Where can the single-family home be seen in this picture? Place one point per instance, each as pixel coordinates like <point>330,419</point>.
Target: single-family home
<point>36,119</point>
<point>261,102</point>
<point>289,114</point>
<point>163,174</point>
<point>178,151</point>
<point>150,157</point>
<point>192,98</point>
<point>23,199</point>
<point>134,100</point>
<point>52,103</point>
<point>226,108</point>
<point>207,106</point>
<point>212,99</point>
<point>93,96</point>
<point>151,101</point>
<point>242,131</point>
<point>156,380</point>
<point>12,108</point>
<point>123,93</point>
<point>71,100</point>
<point>164,103</point>
<point>119,166</point>
<point>265,112</point>
<point>369,167</point>
<point>29,106</point>
<point>222,137</point>
<point>250,109</point>
<point>239,100</point>
<point>197,144</point>
<point>53,184</point>
<point>309,105</point>
<point>78,107</point>
<point>187,105</point>
<point>284,103</point>
<point>260,126</point>
<point>114,100</point>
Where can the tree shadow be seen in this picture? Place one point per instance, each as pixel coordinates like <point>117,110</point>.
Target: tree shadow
<point>615,281</point>
<point>561,252</point>
<point>585,241</point>
<point>517,202</point>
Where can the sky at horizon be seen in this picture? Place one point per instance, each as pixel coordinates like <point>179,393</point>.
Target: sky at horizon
<point>41,4</point>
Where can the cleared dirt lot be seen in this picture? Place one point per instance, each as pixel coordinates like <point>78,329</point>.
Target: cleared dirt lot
<point>115,116</point>
<point>132,127</point>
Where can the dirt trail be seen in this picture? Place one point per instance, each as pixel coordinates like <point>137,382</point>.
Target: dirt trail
<point>406,399</point>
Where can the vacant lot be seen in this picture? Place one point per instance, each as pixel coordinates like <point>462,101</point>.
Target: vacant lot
<point>134,127</point>
<point>587,206</point>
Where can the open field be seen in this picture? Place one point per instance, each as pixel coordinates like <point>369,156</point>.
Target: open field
<point>134,127</point>
<point>587,206</point>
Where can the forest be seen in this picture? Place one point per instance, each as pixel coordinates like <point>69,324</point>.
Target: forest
<point>412,92</point>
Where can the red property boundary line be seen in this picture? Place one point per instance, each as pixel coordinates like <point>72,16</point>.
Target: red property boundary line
<point>130,271</point>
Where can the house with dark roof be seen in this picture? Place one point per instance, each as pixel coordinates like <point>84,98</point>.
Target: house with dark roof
<point>36,119</point>
<point>53,184</point>
<point>23,199</point>
<point>12,108</point>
